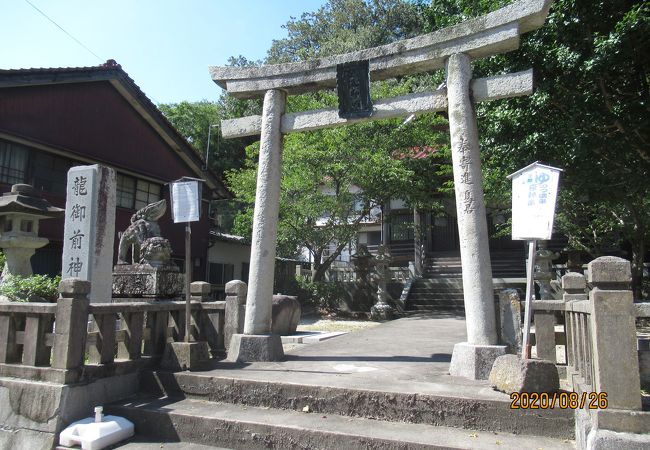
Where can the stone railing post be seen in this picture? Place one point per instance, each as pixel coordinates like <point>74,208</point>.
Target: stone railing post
<point>71,324</point>
<point>200,291</point>
<point>545,319</point>
<point>235,309</point>
<point>574,286</point>
<point>208,323</point>
<point>613,333</point>
<point>510,318</point>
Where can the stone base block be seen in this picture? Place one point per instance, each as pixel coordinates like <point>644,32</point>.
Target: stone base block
<point>186,356</point>
<point>511,374</point>
<point>606,440</point>
<point>258,347</point>
<point>474,361</point>
<point>143,280</point>
<point>33,413</point>
<point>382,311</point>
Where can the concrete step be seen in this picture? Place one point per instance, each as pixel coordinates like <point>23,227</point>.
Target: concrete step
<point>440,282</point>
<point>424,293</point>
<point>441,288</point>
<point>247,427</point>
<point>447,275</point>
<point>415,297</point>
<point>448,410</point>
<point>457,309</point>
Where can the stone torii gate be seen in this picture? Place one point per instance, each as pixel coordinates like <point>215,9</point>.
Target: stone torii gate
<point>452,48</point>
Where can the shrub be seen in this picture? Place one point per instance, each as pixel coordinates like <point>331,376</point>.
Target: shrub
<point>30,289</point>
<point>327,296</point>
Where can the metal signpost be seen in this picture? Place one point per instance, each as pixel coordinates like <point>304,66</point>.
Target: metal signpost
<point>534,192</point>
<point>186,207</point>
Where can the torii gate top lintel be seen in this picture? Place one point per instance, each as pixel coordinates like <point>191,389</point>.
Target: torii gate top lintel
<point>487,35</point>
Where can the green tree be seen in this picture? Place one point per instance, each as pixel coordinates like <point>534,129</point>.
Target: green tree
<point>589,115</point>
<point>342,26</point>
<point>333,179</point>
<point>332,182</point>
<point>194,119</point>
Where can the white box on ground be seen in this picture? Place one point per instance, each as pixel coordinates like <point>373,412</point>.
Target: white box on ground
<point>93,435</point>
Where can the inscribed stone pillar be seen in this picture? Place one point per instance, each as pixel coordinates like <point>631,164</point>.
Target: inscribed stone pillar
<point>470,206</point>
<point>90,229</point>
<point>474,358</point>
<point>265,218</point>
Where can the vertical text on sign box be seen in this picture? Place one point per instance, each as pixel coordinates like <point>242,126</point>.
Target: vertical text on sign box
<point>89,231</point>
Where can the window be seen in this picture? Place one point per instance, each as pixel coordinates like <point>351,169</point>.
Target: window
<point>374,237</point>
<point>13,162</point>
<point>136,194</point>
<point>401,228</point>
<point>221,273</point>
<point>26,226</point>
<point>245,268</point>
<point>146,193</point>
<point>50,172</point>
<point>6,224</point>
<point>125,191</point>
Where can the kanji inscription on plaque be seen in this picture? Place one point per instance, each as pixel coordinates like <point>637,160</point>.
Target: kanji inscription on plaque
<point>353,88</point>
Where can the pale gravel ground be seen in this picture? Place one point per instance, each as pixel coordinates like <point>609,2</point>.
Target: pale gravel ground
<point>335,325</point>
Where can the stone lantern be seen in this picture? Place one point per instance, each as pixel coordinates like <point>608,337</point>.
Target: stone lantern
<point>544,273</point>
<point>382,310</point>
<point>20,211</point>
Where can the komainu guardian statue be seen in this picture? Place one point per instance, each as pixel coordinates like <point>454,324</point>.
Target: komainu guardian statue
<point>143,238</point>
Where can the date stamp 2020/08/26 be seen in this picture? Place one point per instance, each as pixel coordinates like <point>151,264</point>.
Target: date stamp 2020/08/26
<point>559,400</point>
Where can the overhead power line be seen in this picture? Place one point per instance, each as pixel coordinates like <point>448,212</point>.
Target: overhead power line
<point>61,28</point>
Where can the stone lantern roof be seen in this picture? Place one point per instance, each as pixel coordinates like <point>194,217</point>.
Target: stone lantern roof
<point>23,199</point>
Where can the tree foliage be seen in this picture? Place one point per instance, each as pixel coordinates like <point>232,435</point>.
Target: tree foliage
<point>33,288</point>
<point>336,179</point>
<point>197,120</point>
<point>589,115</point>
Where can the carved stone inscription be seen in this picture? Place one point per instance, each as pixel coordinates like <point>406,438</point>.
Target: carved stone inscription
<point>353,87</point>
<point>465,162</point>
<point>78,221</point>
<point>89,228</point>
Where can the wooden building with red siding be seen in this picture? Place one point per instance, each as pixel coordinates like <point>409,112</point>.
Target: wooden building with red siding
<point>53,119</point>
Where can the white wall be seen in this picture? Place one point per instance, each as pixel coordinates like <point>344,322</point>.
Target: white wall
<point>230,253</point>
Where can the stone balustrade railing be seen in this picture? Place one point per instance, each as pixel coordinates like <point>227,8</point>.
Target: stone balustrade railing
<point>600,338</point>
<point>602,356</point>
<point>74,340</point>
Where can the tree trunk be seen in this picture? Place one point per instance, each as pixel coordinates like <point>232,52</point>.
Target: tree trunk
<point>321,268</point>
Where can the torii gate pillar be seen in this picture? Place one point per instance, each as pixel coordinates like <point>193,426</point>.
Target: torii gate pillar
<point>472,359</point>
<point>257,343</point>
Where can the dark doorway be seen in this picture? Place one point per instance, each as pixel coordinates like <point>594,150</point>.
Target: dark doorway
<point>444,234</point>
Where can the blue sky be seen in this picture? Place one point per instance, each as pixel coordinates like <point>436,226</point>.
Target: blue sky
<point>166,46</point>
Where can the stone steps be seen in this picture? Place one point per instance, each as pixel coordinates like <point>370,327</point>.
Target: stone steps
<point>441,285</point>
<point>238,426</point>
<point>486,414</point>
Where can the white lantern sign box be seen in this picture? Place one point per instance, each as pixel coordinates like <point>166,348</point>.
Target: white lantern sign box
<point>534,192</point>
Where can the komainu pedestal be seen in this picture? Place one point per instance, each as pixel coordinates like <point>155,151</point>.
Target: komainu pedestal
<point>151,274</point>
<point>144,280</point>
